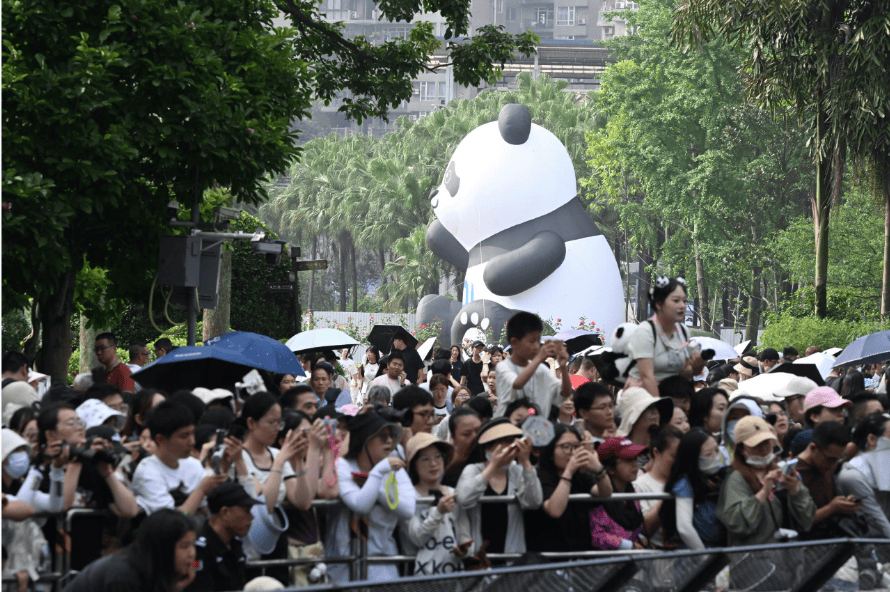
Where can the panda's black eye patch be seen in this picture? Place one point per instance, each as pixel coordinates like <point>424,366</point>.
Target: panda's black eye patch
<point>451,180</point>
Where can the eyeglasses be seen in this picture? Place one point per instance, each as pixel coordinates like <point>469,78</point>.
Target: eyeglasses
<point>75,423</point>
<point>568,447</point>
<point>431,459</point>
<point>607,407</point>
<point>100,348</point>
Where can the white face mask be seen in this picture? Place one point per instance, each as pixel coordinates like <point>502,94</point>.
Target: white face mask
<point>761,461</point>
<point>730,429</point>
<point>17,465</point>
<point>710,466</point>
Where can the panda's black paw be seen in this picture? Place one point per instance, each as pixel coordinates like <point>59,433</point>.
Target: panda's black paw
<point>483,315</point>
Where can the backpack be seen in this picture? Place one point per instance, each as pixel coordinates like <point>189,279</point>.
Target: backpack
<point>614,363</point>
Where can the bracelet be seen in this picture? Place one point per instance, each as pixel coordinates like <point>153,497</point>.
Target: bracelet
<point>273,470</point>
<point>563,477</point>
<point>301,473</point>
<point>600,472</point>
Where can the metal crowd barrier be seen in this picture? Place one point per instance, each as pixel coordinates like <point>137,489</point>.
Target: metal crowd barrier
<point>791,567</point>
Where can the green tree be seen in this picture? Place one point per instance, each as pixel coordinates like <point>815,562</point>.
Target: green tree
<point>111,113</point>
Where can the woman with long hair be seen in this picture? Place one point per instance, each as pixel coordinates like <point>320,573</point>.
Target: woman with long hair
<point>369,368</point>
<point>161,559</point>
<point>749,505</point>
<point>695,482</point>
<point>143,402</point>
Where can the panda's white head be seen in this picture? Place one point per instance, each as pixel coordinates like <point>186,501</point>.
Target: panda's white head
<point>502,174</point>
<point>621,337</point>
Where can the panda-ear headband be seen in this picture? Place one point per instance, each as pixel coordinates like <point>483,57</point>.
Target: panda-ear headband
<point>661,282</point>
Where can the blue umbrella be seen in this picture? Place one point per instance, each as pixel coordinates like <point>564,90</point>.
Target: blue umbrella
<point>221,363</point>
<point>866,350</point>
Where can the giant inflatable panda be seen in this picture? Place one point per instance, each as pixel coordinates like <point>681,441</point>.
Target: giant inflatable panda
<point>507,212</point>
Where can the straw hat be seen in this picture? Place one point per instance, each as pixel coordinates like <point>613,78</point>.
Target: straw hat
<point>425,440</point>
<point>497,429</point>
<point>747,366</point>
<point>634,401</point>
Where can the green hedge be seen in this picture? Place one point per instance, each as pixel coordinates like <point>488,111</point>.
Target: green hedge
<point>784,331</point>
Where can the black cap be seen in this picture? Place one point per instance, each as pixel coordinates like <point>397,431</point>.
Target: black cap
<point>769,354</point>
<point>477,343</point>
<point>790,351</point>
<point>229,494</point>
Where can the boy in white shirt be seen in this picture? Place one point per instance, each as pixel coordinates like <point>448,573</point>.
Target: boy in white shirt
<point>523,375</point>
<point>171,478</point>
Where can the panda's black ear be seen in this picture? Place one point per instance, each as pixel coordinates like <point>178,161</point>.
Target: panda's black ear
<point>515,123</point>
<point>619,332</point>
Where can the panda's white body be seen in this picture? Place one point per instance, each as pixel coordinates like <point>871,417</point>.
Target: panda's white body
<point>585,285</point>
<point>503,185</point>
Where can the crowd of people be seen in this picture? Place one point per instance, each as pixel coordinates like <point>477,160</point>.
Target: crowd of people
<point>194,485</point>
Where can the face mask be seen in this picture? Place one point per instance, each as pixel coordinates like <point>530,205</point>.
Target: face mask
<point>710,466</point>
<point>18,464</point>
<point>761,461</point>
<point>730,429</point>
<point>488,455</point>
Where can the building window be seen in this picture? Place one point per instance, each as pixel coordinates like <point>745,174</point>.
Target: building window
<point>565,16</point>
<point>441,90</point>
<point>500,6</point>
<point>511,15</point>
<point>427,91</point>
<point>544,16</point>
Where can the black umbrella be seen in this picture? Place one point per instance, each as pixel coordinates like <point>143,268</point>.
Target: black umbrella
<point>381,337</point>
<point>810,371</point>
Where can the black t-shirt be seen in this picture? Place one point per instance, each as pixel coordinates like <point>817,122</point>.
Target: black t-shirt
<point>113,573</point>
<point>473,371</point>
<point>413,363</point>
<point>456,368</point>
<point>218,567</point>
<point>494,524</point>
<point>569,532</point>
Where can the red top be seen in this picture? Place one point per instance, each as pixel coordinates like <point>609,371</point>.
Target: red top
<point>119,376</point>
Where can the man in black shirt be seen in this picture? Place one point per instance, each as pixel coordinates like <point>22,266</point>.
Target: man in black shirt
<point>471,373</point>
<point>413,364</point>
<point>220,559</point>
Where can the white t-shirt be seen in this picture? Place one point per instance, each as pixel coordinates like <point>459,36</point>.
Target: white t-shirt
<point>667,360</point>
<point>542,388</point>
<point>430,536</point>
<point>370,374</point>
<point>384,380</point>
<point>349,366</point>
<point>157,486</point>
<point>645,483</point>
<point>260,476</point>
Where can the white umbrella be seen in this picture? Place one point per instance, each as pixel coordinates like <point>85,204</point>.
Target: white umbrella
<point>740,348</point>
<point>776,386</point>
<point>833,351</point>
<point>319,339</point>
<point>424,348</point>
<point>822,361</point>
<point>722,350</point>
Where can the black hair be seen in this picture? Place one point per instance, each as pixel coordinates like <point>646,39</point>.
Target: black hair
<point>102,390</point>
<point>817,410</point>
<point>874,424</point>
<point>292,395</point>
<point>686,465</point>
<point>108,335</point>
<point>575,365</point>
<point>167,417</point>
<point>410,397</point>
<point>218,417</point>
<point>442,354</point>
<point>277,378</point>
<point>661,439</point>
<point>787,449</point>
<point>701,404</point>
<point>164,344</point>
<point>830,433</point>
<point>140,405</point>
<point>21,418</point>
<point>860,400</point>
<point>48,419</point>
<point>396,355</point>
<point>457,414</point>
<point>438,379</point>
<point>135,349</point>
<point>518,404</point>
<point>546,460</point>
<point>291,420</point>
<point>717,374</point>
<point>657,295</point>
<point>373,349</point>
<point>853,382</point>
<point>676,387</point>
<point>321,363</point>
<point>482,406</point>
<point>153,552</point>
<point>441,367</point>
<point>589,392</point>
<point>192,401</point>
<point>307,357</point>
<point>257,406</point>
<point>523,323</point>
<point>203,434</point>
<point>13,361</point>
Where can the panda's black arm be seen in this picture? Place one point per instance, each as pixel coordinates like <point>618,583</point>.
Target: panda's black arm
<point>525,267</point>
<point>443,244</point>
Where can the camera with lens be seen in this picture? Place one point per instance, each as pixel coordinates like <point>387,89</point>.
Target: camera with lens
<point>89,455</point>
<point>405,417</point>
